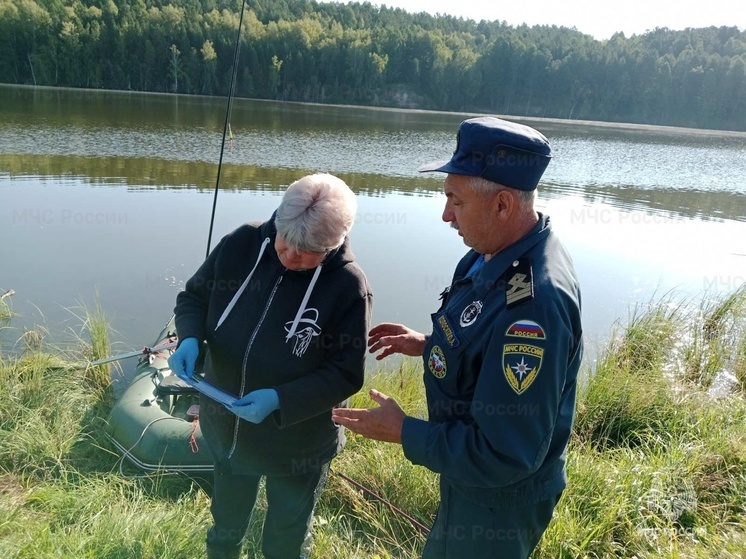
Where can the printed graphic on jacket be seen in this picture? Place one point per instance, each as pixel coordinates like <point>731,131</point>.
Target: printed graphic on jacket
<point>307,329</point>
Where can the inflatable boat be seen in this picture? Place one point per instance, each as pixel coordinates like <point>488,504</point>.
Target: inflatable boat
<point>155,423</point>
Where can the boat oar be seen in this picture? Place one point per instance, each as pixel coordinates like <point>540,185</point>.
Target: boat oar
<point>144,351</point>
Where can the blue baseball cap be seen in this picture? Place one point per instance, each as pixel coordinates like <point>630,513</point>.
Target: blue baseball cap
<point>510,154</point>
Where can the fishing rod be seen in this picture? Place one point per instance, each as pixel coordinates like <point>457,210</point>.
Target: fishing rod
<point>226,125</point>
<point>144,351</point>
<point>416,523</point>
<point>226,129</point>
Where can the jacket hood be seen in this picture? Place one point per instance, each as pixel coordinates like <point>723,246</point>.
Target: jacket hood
<point>336,258</point>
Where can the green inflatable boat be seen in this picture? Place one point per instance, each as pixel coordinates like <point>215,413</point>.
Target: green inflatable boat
<point>155,423</point>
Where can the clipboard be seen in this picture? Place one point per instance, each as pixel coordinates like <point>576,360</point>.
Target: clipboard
<point>209,390</point>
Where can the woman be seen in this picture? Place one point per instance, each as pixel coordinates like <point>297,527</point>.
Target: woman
<point>284,310</point>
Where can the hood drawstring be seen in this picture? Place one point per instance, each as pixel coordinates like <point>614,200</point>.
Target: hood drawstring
<point>303,303</point>
<point>233,302</point>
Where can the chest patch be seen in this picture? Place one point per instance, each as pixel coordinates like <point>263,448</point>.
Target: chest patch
<point>437,362</point>
<point>470,314</point>
<point>521,365</point>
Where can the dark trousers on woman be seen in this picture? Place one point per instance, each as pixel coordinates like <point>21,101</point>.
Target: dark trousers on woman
<point>290,504</point>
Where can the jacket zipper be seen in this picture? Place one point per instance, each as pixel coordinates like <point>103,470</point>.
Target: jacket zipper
<point>245,360</point>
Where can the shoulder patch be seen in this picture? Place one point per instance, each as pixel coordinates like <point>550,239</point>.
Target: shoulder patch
<point>526,329</point>
<point>521,365</point>
<point>520,282</point>
<point>437,362</point>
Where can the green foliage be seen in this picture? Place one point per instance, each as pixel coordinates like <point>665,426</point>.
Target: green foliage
<point>302,50</point>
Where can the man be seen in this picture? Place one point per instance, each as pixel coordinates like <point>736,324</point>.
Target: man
<point>501,364</point>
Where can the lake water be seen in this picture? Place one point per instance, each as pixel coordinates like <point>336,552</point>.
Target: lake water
<point>108,195</point>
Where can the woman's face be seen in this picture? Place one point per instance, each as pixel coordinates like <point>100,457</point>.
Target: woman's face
<point>294,259</point>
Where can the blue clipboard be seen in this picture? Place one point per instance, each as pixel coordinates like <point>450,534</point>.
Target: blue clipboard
<point>210,390</point>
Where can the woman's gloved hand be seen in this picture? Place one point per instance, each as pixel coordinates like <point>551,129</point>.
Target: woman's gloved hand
<point>183,360</point>
<point>256,405</point>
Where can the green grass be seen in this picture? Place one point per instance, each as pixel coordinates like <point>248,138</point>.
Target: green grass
<point>656,465</point>
<point>6,310</point>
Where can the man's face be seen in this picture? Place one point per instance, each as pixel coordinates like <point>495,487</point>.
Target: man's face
<point>469,212</point>
<point>294,259</point>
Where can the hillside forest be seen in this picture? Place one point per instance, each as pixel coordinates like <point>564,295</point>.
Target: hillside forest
<point>368,54</point>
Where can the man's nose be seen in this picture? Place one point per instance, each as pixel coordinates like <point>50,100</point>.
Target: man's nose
<point>447,214</point>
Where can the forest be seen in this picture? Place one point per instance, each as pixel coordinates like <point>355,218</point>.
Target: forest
<point>369,54</point>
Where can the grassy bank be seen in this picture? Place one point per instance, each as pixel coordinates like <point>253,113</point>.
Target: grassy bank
<point>657,463</point>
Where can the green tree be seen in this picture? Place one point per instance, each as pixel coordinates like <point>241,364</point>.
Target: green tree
<point>174,66</point>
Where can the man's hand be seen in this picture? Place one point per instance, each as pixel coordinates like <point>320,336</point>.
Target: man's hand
<point>256,405</point>
<point>383,423</point>
<point>395,338</point>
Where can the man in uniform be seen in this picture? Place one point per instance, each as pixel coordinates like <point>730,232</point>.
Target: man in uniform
<point>501,363</point>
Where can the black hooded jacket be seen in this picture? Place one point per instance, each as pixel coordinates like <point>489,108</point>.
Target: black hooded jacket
<point>260,334</point>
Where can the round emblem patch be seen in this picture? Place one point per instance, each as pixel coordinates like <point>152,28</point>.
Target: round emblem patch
<point>470,314</point>
<point>437,362</point>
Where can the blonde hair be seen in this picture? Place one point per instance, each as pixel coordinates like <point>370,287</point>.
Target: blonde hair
<point>316,213</point>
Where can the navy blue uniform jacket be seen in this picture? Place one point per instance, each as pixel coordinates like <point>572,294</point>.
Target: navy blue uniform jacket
<point>500,371</point>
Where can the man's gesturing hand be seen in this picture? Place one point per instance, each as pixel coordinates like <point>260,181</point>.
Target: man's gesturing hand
<point>383,423</point>
<point>395,338</point>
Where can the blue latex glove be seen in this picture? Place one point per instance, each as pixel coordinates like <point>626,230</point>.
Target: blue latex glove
<point>256,405</point>
<point>182,360</point>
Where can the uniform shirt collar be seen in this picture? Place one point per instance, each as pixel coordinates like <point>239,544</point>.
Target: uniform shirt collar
<point>490,273</point>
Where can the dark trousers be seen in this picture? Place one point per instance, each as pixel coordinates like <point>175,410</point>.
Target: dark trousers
<point>290,504</point>
<point>463,528</point>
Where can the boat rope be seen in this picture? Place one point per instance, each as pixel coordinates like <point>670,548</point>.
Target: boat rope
<point>226,124</point>
<point>416,523</point>
<point>128,453</point>
<point>193,436</point>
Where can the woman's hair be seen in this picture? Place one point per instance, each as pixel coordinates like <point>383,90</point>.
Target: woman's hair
<point>316,213</point>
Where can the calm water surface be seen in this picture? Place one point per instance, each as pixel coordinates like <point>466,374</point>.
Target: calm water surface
<point>109,195</point>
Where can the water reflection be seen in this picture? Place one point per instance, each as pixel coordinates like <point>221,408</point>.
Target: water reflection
<point>110,192</point>
<point>720,201</point>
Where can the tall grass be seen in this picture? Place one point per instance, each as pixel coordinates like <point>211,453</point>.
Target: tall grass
<point>656,465</point>
<point>718,341</point>
<point>94,344</point>
<point>6,310</point>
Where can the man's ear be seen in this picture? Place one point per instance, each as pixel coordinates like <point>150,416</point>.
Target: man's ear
<point>503,204</point>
